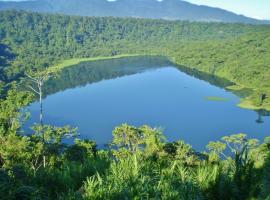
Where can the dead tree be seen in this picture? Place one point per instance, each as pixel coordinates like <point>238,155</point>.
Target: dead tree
<point>38,79</point>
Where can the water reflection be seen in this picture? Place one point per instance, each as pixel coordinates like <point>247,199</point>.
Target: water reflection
<point>95,71</point>
<point>98,96</point>
<point>261,114</point>
<point>223,83</point>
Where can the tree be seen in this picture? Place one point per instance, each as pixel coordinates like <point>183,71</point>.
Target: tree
<point>133,139</point>
<point>128,137</point>
<point>81,150</point>
<point>217,147</point>
<point>243,172</point>
<point>237,143</point>
<point>10,110</point>
<point>267,141</point>
<point>39,78</point>
<point>47,141</point>
<point>13,150</point>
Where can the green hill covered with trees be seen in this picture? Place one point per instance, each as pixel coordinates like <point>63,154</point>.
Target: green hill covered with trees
<point>165,9</point>
<point>140,163</point>
<point>237,52</point>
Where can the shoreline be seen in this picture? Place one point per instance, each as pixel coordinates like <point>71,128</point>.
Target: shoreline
<point>245,103</point>
<point>75,61</point>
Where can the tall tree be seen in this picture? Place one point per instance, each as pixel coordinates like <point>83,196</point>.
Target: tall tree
<point>38,79</point>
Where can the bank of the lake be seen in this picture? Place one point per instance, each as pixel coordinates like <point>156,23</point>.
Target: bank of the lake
<point>246,102</point>
<point>76,61</point>
<point>99,95</point>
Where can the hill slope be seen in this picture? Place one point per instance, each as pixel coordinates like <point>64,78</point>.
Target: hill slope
<point>166,9</point>
<point>237,52</point>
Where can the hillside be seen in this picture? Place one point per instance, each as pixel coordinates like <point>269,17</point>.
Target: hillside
<point>167,9</point>
<point>236,52</point>
<point>45,161</point>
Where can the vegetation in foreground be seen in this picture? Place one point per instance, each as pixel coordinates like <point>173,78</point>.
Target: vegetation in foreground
<point>139,163</point>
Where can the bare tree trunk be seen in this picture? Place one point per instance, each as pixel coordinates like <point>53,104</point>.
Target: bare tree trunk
<point>44,161</point>
<point>41,107</point>
<point>39,81</point>
<point>41,118</point>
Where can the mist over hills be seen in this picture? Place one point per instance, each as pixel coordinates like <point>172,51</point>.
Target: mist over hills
<point>166,9</point>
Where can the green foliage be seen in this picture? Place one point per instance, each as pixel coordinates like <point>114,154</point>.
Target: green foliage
<point>218,147</point>
<point>9,148</point>
<point>234,51</point>
<point>237,52</point>
<point>27,193</point>
<point>267,141</point>
<point>149,169</point>
<point>140,164</point>
<point>265,192</point>
<point>9,110</point>
<point>129,140</point>
<point>5,184</point>
<point>81,150</point>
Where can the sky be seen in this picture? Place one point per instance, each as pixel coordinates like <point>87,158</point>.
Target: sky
<point>259,9</point>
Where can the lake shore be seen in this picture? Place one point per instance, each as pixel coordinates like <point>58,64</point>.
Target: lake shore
<point>245,102</point>
<point>75,61</point>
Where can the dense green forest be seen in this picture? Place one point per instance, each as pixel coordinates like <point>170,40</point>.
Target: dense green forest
<point>139,163</point>
<point>237,52</point>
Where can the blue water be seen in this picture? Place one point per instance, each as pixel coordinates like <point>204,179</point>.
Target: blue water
<point>159,96</point>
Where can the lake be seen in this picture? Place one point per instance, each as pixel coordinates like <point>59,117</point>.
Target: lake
<point>188,105</point>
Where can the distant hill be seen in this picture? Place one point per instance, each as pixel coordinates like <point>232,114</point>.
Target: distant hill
<point>166,9</point>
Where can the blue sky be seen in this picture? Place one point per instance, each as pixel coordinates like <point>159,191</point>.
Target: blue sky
<point>259,9</point>
<point>253,8</point>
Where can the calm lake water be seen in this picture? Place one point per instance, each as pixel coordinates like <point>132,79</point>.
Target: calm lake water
<point>98,96</point>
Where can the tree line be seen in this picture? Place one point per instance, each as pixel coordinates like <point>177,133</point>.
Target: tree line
<point>237,52</point>
<point>139,163</point>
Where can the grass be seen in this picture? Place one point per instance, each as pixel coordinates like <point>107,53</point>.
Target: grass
<point>235,87</point>
<point>76,61</point>
<point>212,98</point>
<point>247,104</point>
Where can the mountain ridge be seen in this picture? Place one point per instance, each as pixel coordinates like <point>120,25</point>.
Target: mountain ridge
<point>166,9</point>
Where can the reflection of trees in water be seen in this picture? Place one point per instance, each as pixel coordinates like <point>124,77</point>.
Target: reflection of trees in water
<point>261,114</point>
<point>212,79</point>
<point>223,83</point>
<point>95,71</point>
<point>259,120</point>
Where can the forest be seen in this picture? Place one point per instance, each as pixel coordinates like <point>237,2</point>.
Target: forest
<point>237,52</point>
<point>139,163</point>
